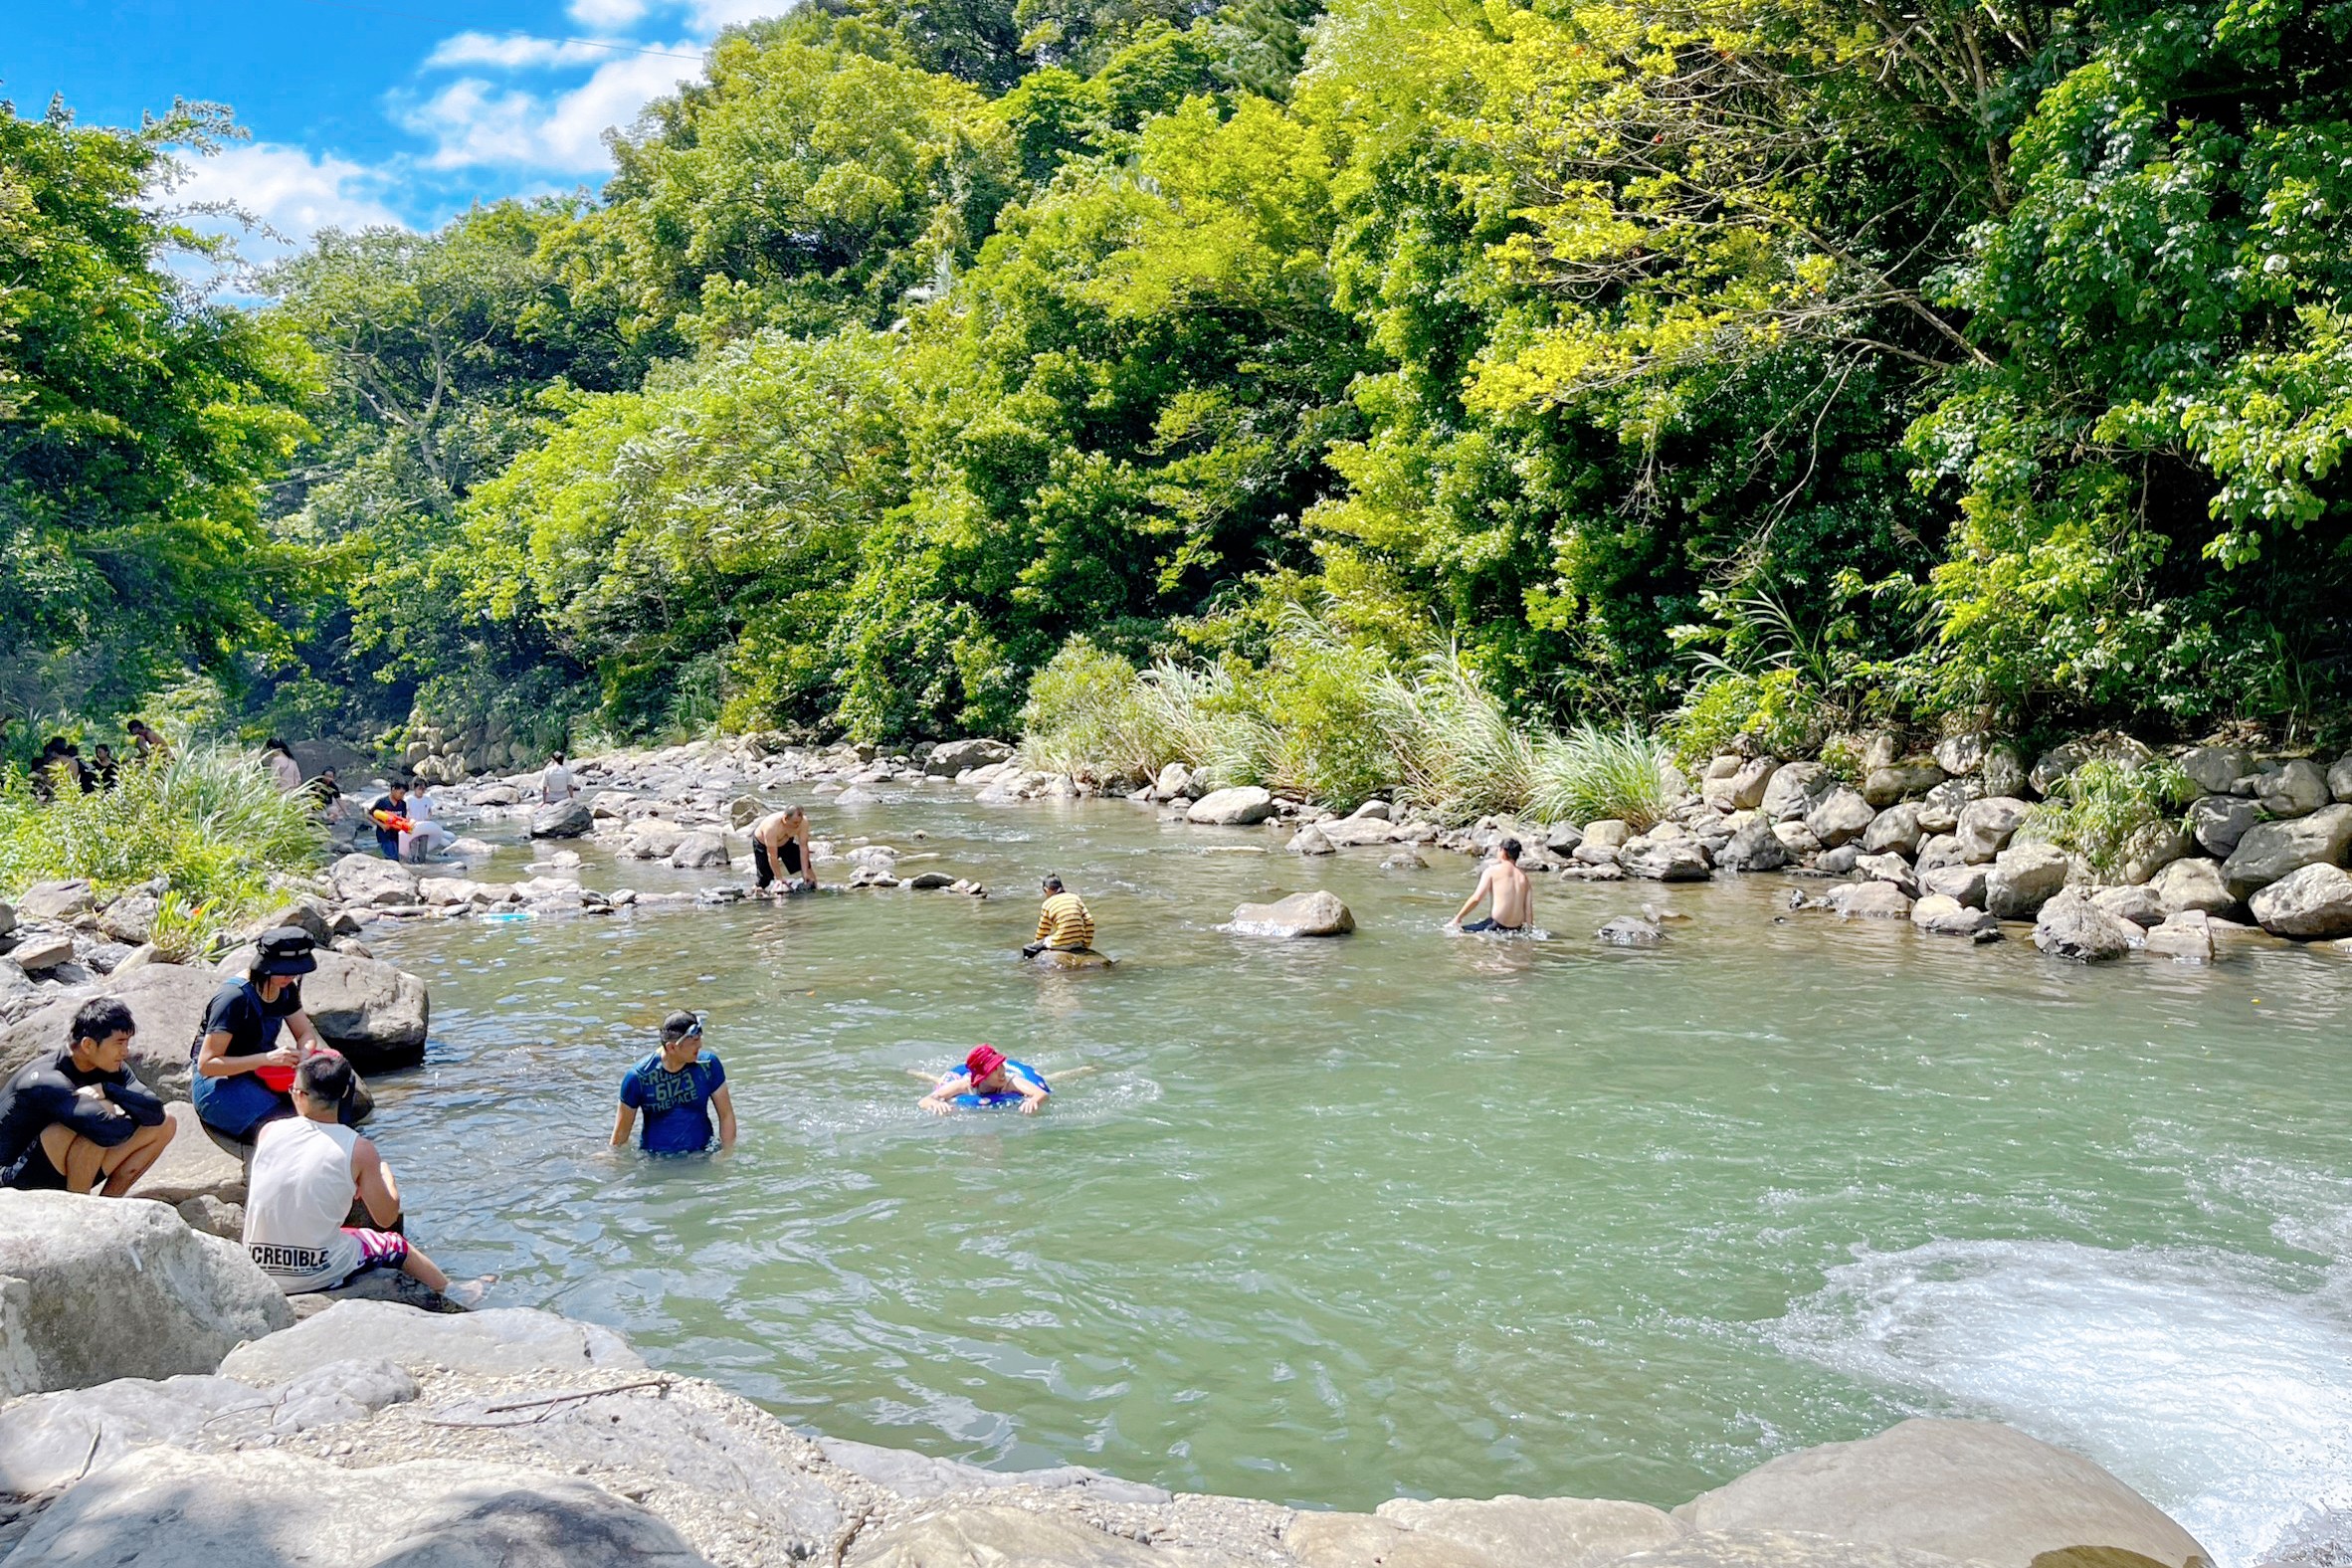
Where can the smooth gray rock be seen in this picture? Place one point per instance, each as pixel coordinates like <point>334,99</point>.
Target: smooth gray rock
<point>2213,769</point>
<point>699,851</point>
<point>372,880</point>
<point>192,1165</point>
<point>1750,782</point>
<point>1961,754</point>
<point>2072,926</point>
<point>2196,884</point>
<point>1986,826</point>
<point>2141,905</point>
<point>1654,859</point>
<point>1894,830</point>
<point>1885,786</point>
<point>1962,884</point>
<point>1837,861</point>
<point>117,1289</point>
<point>1625,930</point>
<point>499,1341</point>
<point>1311,840</point>
<point>1940,807</point>
<point>652,838</point>
<point>1939,848</point>
<point>1869,901</point>
<point>2023,878</point>
<point>131,918</point>
<point>2339,780</point>
<point>566,819</point>
<point>1889,868</point>
<point>1316,1540</point>
<point>1782,1549</point>
<point>1970,1489</point>
<point>1232,808</point>
<point>1358,833</point>
<point>1940,915</point>
<point>38,953</point>
<point>372,1012</point>
<point>49,1440</point>
<point>168,1508</point>
<point>1794,789</point>
<point>2270,850</point>
<point>1538,1532</point>
<point>2060,761</point>
<point>918,1478</point>
<point>2310,905</point>
<point>2003,772</point>
<point>979,1535</point>
<point>1754,847</point>
<point>1607,834</point>
<point>61,903</point>
<point>1796,838</point>
<point>2151,848</point>
<point>2295,790</point>
<point>1317,914</point>
<point>951,757</point>
<point>2218,822</point>
<point>1841,814</point>
<point>2186,937</point>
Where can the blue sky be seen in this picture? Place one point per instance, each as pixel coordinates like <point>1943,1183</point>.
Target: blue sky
<point>369,110</point>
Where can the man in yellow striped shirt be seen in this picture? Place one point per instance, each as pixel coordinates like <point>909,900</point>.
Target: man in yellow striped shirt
<point>1063,924</point>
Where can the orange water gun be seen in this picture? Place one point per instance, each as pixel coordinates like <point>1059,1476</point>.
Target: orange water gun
<point>391,822</point>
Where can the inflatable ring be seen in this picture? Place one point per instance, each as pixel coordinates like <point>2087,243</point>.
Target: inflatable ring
<point>1020,1070</point>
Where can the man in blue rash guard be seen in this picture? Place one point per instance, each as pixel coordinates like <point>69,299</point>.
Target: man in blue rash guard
<point>678,1088</point>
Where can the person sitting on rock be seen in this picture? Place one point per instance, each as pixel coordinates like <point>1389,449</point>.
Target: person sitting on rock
<point>557,784</point>
<point>780,849</point>
<point>243,1071</point>
<point>1513,907</point>
<point>74,1116</point>
<point>306,1171</point>
<point>678,1088</point>
<point>1063,924</point>
<point>390,816</point>
<point>988,1075</point>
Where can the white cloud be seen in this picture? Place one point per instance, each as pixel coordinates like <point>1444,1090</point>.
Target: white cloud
<point>473,121</point>
<point>708,16</point>
<point>607,13</point>
<point>292,191</point>
<point>515,52</point>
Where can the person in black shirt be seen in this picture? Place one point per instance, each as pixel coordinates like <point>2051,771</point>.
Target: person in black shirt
<point>242,1067</point>
<point>74,1118</point>
<point>103,767</point>
<point>390,805</point>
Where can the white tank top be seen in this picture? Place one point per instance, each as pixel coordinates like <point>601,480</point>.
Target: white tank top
<point>298,1195</point>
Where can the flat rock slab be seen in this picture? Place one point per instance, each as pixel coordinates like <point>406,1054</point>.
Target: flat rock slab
<point>981,1536</point>
<point>1786,1549</point>
<point>1972,1489</point>
<point>1358,1540</point>
<point>165,1509</point>
<point>1540,1532</point>
<point>501,1340</point>
<point>920,1478</point>
<point>192,1166</point>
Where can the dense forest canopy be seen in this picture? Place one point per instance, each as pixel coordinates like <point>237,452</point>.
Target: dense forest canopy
<point>1737,356</point>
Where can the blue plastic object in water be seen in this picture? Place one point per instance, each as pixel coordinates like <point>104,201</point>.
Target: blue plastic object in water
<point>1020,1070</point>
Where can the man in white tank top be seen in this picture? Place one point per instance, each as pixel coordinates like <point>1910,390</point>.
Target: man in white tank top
<point>306,1170</point>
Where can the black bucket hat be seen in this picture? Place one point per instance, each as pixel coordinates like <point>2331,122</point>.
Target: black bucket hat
<point>286,950</point>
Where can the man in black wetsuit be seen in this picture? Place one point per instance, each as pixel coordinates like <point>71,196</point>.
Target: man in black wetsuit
<point>74,1116</point>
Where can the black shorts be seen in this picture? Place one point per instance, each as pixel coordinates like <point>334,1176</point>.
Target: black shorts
<point>32,1172</point>
<point>763,869</point>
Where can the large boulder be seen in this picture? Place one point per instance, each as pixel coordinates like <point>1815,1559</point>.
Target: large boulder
<point>2272,850</point>
<point>2295,790</point>
<point>170,1508</point>
<point>2060,761</point>
<point>2186,938</point>
<point>2218,822</point>
<point>2194,884</point>
<point>951,757</point>
<point>1961,754</point>
<point>499,1342</point>
<point>1884,786</point>
<point>2339,779</point>
<point>59,902</point>
<point>1352,833</point>
<point>1317,914</point>
<point>370,1011</point>
<point>2310,905</point>
<point>566,819</point>
<point>998,1536</point>
<point>1232,808</point>
<point>192,1165</point>
<point>1971,1489</point>
<point>2150,848</point>
<point>1887,868</point>
<point>372,880</point>
<point>1744,789</point>
<point>2138,904</point>
<point>1794,789</point>
<point>1940,915</point>
<point>1894,830</point>
<point>2023,878</point>
<point>652,838</point>
<point>1754,847</point>
<point>1940,807</point>
<point>1841,815</point>
<point>2215,769</point>
<point>167,1003</point>
<point>2073,926</point>
<point>699,851</point>
<point>1986,826</point>
<point>105,1287</point>
<point>1869,901</point>
<point>1659,858</point>
<point>1538,1532</point>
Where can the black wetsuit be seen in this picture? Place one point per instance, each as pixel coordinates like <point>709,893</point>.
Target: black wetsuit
<point>45,1093</point>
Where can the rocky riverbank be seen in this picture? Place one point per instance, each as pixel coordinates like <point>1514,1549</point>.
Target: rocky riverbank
<point>168,1410</point>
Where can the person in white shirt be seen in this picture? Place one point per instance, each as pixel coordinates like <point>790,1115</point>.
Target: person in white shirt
<point>424,837</point>
<point>306,1170</point>
<point>555,785</point>
<point>283,769</point>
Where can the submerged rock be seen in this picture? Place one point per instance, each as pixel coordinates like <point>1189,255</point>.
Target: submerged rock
<point>1317,914</point>
<point>1088,959</point>
<point>1627,930</point>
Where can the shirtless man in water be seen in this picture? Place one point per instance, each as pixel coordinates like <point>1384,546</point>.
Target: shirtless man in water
<point>1514,908</point>
<point>780,850</point>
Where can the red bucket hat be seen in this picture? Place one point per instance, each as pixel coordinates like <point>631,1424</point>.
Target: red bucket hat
<point>983,1060</point>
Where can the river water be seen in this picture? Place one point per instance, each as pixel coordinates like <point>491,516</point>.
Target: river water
<point>1409,1213</point>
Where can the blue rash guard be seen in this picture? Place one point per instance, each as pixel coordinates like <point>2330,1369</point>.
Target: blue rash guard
<point>676,1106</point>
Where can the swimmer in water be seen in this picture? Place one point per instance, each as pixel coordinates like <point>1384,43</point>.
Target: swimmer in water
<point>1513,907</point>
<point>984,1073</point>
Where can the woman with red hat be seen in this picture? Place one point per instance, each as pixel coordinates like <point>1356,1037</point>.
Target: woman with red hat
<point>988,1077</point>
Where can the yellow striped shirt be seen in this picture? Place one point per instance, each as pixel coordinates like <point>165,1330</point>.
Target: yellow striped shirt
<point>1064,923</point>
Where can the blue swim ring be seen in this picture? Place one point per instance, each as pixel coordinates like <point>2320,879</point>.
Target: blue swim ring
<point>1020,1070</point>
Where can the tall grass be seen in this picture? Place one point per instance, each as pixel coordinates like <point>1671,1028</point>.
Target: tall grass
<point>1337,722</point>
<point>208,822</point>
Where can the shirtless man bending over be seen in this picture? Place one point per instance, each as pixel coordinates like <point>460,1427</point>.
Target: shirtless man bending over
<point>1513,907</point>
<point>780,850</point>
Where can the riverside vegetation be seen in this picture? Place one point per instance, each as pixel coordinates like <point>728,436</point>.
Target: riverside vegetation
<point>1804,366</point>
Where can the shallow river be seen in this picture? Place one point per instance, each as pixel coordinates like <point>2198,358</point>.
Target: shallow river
<point>1405,1213</point>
